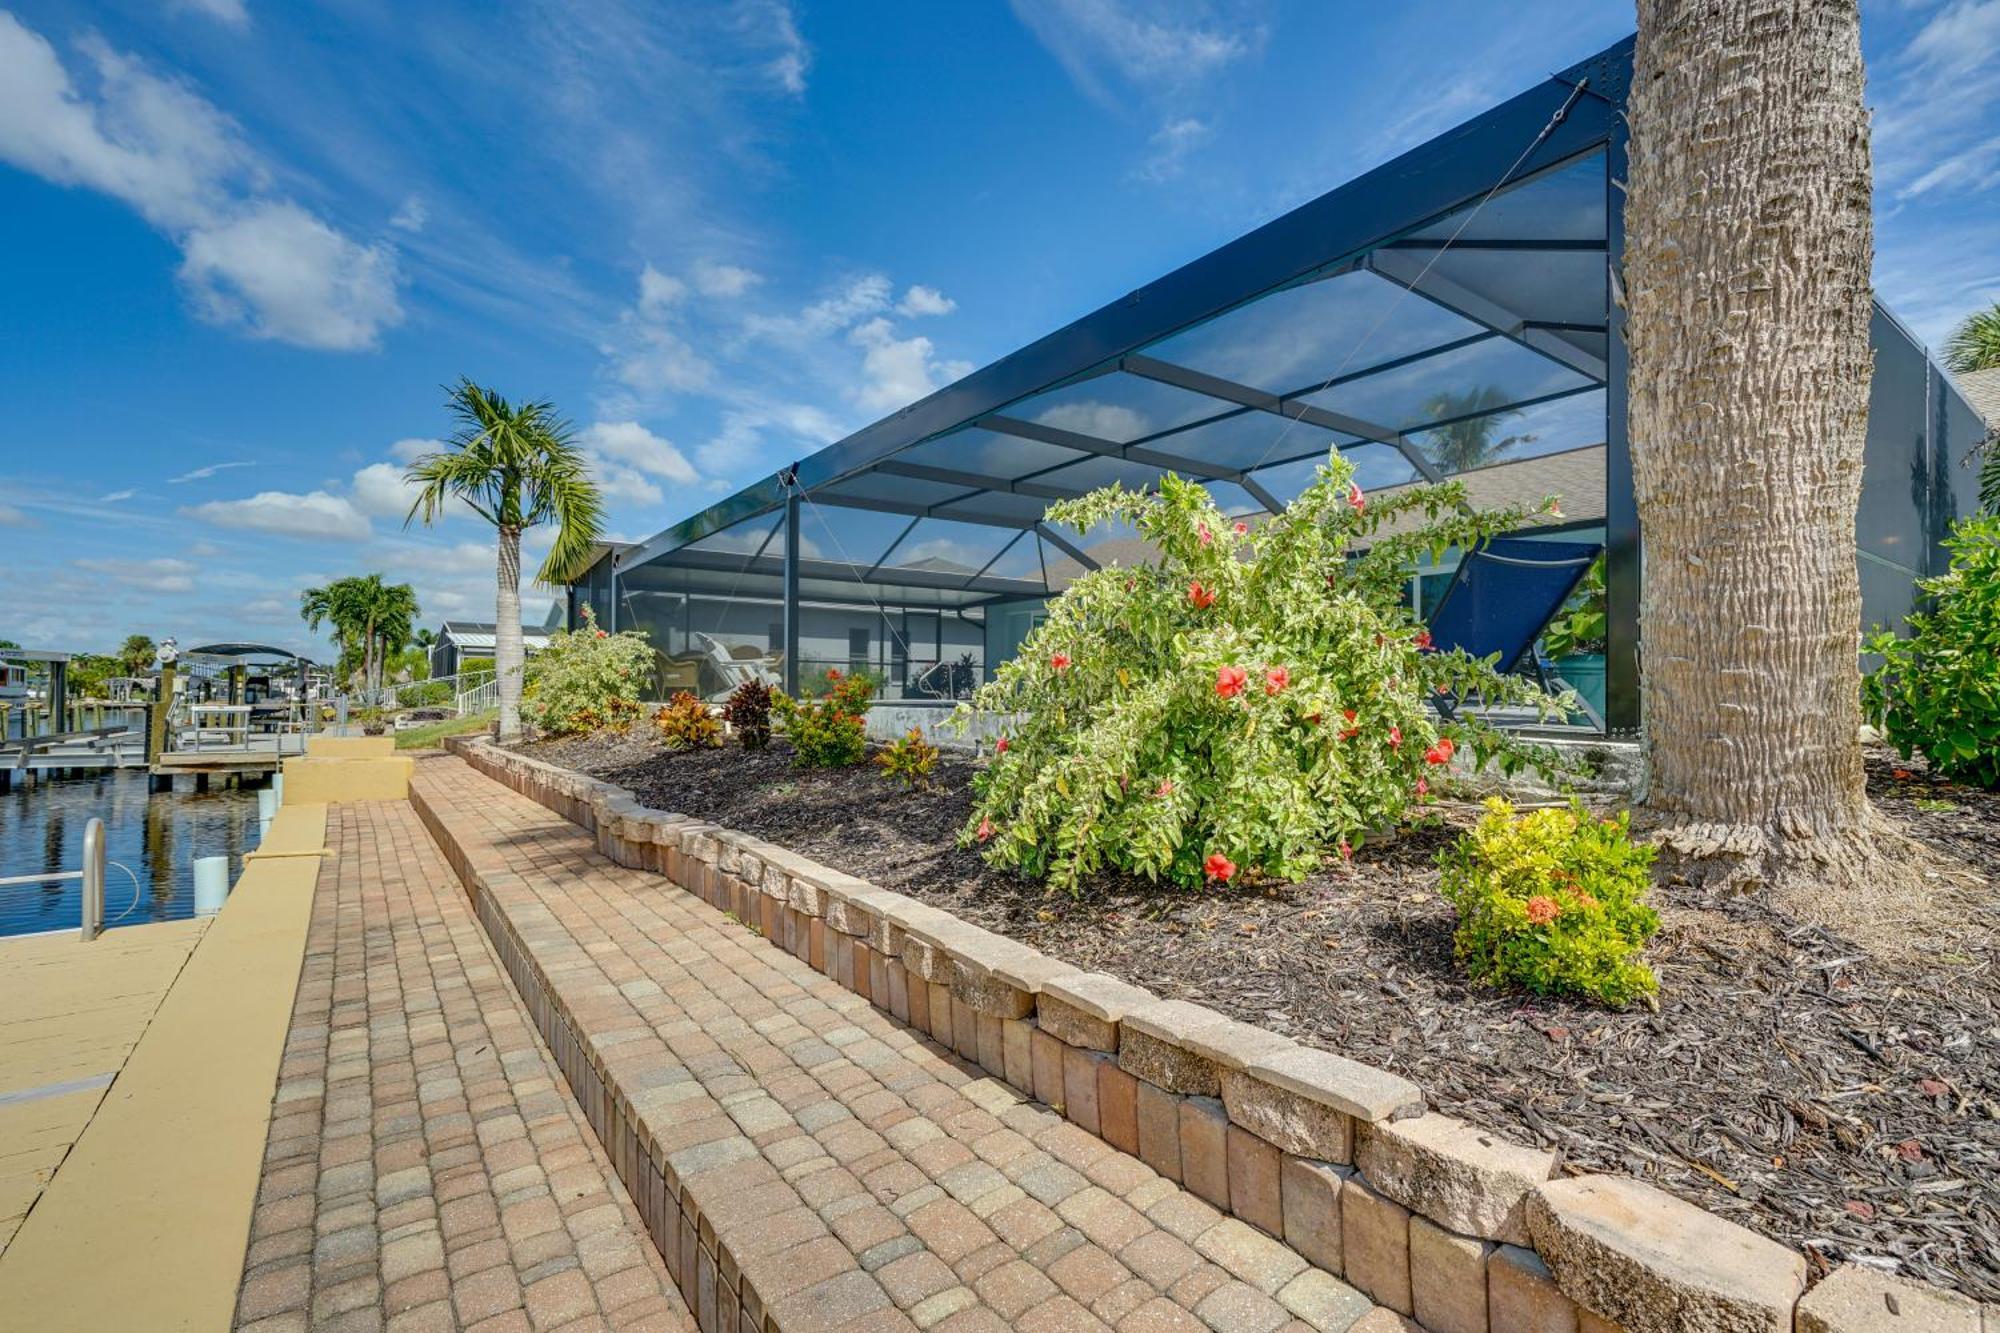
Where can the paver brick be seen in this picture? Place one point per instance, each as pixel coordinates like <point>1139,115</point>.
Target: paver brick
<point>859,1176</point>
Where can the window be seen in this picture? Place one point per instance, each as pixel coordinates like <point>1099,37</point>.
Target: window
<point>857,650</point>
<point>776,638</point>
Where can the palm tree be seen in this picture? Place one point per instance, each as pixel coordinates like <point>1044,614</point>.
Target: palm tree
<point>1470,436</point>
<point>371,619</point>
<point>1747,319</point>
<point>515,466</point>
<point>1975,344</point>
<point>137,654</point>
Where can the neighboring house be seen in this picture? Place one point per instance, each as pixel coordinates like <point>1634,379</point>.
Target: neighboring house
<point>1982,389</point>
<point>460,639</point>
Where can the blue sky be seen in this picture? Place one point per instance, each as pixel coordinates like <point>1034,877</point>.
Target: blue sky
<point>243,243</point>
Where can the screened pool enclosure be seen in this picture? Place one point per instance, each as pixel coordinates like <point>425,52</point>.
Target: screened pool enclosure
<point>1450,314</point>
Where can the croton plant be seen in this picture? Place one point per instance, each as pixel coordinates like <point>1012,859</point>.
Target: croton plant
<point>1249,703</point>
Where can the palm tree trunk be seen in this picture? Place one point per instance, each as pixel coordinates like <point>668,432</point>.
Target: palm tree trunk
<point>1747,251</point>
<point>507,651</point>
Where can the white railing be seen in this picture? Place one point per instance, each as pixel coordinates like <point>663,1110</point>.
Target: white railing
<point>480,693</point>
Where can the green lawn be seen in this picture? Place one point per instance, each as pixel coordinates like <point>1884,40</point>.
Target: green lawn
<point>418,738</point>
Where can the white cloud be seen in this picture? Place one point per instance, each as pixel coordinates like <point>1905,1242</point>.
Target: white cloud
<point>1105,421</point>
<point>233,12</point>
<point>661,360</point>
<point>631,461</point>
<point>314,514</point>
<point>658,292</point>
<point>788,66</point>
<point>11,517</point>
<point>276,271</point>
<point>260,263</point>
<point>163,574</point>
<point>409,451</point>
<point>411,215</point>
<point>203,473</point>
<point>1170,145</point>
<point>725,280</point>
<point>115,496</point>
<point>855,299</point>
<point>898,371</point>
<point>921,300</point>
<point>380,492</point>
<point>1166,58</point>
<point>1093,39</point>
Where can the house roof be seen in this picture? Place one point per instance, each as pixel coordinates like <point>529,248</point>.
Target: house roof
<point>1982,389</point>
<point>481,634</point>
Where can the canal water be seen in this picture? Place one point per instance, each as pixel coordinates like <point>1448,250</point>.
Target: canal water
<point>158,836</point>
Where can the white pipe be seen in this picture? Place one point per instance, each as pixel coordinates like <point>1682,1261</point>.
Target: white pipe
<point>211,884</point>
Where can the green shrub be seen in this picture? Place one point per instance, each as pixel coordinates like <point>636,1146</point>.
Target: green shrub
<point>748,711</point>
<point>828,731</point>
<point>909,759</point>
<point>1938,690</point>
<point>1554,901</point>
<point>1246,705</point>
<point>685,723</point>
<point>427,694</point>
<point>587,680</point>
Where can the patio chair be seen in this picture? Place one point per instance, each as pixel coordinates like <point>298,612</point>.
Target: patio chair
<point>1500,599</point>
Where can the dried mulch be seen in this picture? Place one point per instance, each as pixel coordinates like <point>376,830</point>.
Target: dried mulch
<point>1846,1104</point>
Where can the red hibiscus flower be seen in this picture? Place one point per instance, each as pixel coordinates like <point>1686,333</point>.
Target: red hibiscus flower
<point>1000,746</point>
<point>1275,680</point>
<point>1350,731</point>
<point>1203,598</point>
<point>1543,909</point>
<point>602,635</point>
<point>1166,787</point>
<point>1422,638</point>
<point>1059,662</point>
<point>832,674</point>
<point>1242,528</point>
<point>1229,681</point>
<point>1219,866</point>
<point>985,830</point>
<point>1205,535</point>
<point>1441,752</point>
<point>1423,789</point>
<point>1346,852</point>
<point>1395,737</point>
<point>1355,498</point>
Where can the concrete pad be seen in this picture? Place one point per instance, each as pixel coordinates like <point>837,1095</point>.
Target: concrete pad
<point>145,1225</point>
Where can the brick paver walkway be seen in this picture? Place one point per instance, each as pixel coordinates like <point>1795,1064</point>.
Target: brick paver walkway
<point>427,1168</point>
<point>848,1172</point>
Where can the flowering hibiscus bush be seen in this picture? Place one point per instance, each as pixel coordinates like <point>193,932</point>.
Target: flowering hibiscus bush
<point>587,679</point>
<point>1553,901</point>
<point>1939,689</point>
<point>828,731</point>
<point>1246,705</point>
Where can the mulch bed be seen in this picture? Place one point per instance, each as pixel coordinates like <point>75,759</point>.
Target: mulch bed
<point>1844,1103</point>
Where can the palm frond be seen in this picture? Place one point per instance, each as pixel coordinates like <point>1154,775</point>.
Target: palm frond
<point>1975,344</point>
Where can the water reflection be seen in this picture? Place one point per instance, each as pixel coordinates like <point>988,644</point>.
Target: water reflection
<point>158,836</point>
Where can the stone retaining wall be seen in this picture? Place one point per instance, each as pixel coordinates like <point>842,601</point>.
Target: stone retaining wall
<point>1432,1217</point>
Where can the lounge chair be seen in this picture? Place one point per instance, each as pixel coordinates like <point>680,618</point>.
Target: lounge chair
<point>1500,599</point>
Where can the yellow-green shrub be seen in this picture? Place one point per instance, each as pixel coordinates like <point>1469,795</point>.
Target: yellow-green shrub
<point>1553,901</point>
<point>909,759</point>
<point>685,723</point>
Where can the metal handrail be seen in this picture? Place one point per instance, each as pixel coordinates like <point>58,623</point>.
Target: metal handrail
<point>92,876</point>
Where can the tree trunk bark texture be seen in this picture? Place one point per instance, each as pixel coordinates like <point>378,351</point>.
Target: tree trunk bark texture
<point>508,656</point>
<point>1747,253</point>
